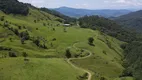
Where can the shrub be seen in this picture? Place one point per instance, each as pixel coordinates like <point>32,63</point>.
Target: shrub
<point>90,40</point>
<point>68,54</point>
<point>2,18</point>
<point>12,54</point>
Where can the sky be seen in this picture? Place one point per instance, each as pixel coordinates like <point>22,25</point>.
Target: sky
<point>87,4</point>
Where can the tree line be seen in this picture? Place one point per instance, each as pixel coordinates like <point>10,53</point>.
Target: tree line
<point>13,7</point>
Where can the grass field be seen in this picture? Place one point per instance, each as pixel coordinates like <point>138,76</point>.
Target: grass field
<point>37,69</point>
<point>49,64</point>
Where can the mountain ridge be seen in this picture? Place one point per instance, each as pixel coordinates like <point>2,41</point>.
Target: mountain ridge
<point>74,12</point>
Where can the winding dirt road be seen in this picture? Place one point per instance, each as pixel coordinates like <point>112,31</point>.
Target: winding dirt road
<point>73,65</point>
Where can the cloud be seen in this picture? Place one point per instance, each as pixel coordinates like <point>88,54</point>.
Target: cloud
<point>81,5</point>
<point>125,2</point>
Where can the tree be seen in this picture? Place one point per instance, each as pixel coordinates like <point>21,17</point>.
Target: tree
<point>103,78</point>
<point>90,40</point>
<point>68,54</point>
<point>12,54</point>
<point>25,55</point>
<point>2,18</point>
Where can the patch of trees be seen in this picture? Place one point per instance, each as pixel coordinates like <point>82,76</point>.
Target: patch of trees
<point>40,42</point>
<point>24,36</point>
<point>2,18</point>
<point>12,54</point>
<point>13,7</point>
<point>5,48</point>
<point>90,41</point>
<point>107,26</point>
<point>133,59</point>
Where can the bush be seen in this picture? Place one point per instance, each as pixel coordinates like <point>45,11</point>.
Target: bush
<point>12,54</point>
<point>2,18</point>
<point>90,40</point>
<point>6,24</point>
<point>68,54</point>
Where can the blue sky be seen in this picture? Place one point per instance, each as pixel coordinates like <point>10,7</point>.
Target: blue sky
<point>87,4</point>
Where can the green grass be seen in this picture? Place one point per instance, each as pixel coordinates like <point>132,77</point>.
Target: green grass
<point>106,64</point>
<point>48,64</point>
<point>37,69</point>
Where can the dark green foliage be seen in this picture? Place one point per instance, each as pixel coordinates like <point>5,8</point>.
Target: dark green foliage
<point>19,27</point>
<point>90,40</point>
<point>37,42</point>
<point>25,54</point>
<point>55,13</point>
<point>83,77</point>
<point>12,54</point>
<point>133,60</point>
<point>24,35</point>
<point>35,21</point>
<point>53,29</point>
<point>6,24</point>
<point>2,18</point>
<point>44,24</point>
<point>14,7</point>
<point>107,26</point>
<point>103,78</point>
<point>132,20</point>
<point>16,31</point>
<point>54,39</point>
<point>5,48</point>
<point>68,54</point>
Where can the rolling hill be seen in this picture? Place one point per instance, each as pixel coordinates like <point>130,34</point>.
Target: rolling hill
<point>132,20</point>
<point>36,46</point>
<point>72,12</point>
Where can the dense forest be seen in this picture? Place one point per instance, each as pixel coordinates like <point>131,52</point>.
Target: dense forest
<point>133,58</point>
<point>58,14</point>
<point>107,26</point>
<point>14,7</point>
<point>132,48</point>
<point>132,20</point>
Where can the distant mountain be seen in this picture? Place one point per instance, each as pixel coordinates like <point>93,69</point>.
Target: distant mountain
<point>132,20</point>
<point>72,12</point>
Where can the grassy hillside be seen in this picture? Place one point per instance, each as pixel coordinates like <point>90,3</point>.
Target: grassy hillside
<point>106,58</point>
<point>36,69</point>
<point>43,38</point>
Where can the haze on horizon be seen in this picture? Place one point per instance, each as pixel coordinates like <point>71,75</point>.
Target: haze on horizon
<point>87,4</point>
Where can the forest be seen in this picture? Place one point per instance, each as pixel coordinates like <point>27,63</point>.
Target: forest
<point>13,7</point>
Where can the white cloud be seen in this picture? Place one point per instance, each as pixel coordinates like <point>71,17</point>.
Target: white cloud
<point>124,2</point>
<point>81,5</point>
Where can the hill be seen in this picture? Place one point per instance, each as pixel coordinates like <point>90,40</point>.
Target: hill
<point>132,20</point>
<point>36,46</point>
<point>72,12</point>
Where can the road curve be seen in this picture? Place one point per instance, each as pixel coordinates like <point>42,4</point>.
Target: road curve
<point>73,65</point>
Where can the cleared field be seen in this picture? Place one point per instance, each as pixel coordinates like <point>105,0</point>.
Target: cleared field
<point>37,69</point>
